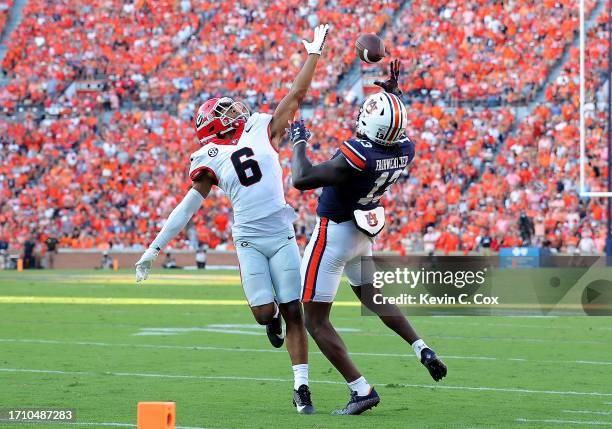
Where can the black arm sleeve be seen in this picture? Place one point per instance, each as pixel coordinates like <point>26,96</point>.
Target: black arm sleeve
<point>307,176</point>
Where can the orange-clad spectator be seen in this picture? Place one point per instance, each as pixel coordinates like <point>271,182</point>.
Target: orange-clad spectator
<point>103,180</point>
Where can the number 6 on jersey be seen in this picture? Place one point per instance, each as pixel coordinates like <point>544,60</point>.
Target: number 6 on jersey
<point>247,169</point>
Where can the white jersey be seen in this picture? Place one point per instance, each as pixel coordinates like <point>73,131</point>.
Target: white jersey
<point>249,171</point>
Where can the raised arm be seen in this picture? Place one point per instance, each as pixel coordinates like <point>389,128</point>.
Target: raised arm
<point>391,85</point>
<point>175,223</point>
<point>307,176</point>
<point>285,111</point>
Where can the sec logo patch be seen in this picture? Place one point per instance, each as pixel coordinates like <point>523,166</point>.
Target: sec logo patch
<point>213,151</point>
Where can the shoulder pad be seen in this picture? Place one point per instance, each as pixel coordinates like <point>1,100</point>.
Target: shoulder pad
<point>355,152</point>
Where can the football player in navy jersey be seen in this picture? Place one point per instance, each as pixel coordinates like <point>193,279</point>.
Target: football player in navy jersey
<point>349,216</point>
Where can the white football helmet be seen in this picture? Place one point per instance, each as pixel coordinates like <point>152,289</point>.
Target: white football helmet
<point>382,118</point>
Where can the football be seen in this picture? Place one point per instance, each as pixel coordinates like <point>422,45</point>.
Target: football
<point>370,48</point>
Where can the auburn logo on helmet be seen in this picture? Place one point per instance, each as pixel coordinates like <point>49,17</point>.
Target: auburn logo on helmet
<point>371,106</point>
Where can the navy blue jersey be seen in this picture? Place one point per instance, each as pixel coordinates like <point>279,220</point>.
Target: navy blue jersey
<point>376,168</point>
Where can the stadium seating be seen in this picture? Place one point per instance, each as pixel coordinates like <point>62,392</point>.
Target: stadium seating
<point>259,58</point>
<point>59,41</point>
<point>481,49</point>
<point>105,168</point>
<point>5,7</point>
<point>167,55</point>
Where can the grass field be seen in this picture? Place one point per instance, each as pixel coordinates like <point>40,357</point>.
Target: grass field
<point>97,343</point>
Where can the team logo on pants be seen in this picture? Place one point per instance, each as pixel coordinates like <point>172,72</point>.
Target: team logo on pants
<point>372,219</point>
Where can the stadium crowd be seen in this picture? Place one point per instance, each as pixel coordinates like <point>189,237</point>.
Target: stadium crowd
<point>173,55</point>
<point>104,168</point>
<point>5,7</point>
<point>480,49</point>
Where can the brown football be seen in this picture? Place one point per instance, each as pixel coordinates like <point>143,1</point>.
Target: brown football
<point>370,48</point>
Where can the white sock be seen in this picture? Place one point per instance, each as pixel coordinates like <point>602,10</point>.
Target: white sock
<point>418,347</point>
<point>360,386</point>
<point>300,375</point>
<point>277,310</point>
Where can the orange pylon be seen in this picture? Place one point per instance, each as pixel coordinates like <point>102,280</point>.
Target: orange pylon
<point>156,415</point>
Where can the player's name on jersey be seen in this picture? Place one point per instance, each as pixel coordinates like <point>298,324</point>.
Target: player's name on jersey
<point>392,163</point>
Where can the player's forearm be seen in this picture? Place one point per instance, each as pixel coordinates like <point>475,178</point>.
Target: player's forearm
<point>302,82</point>
<point>286,109</point>
<point>300,168</point>
<point>179,218</point>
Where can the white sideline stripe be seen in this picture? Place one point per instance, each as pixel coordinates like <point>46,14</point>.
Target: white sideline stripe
<point>153,332</point>
<point>379,333</point>
<point>248,350</point>
<point>241,329</point>
<point>594,362</point>
<point>601,413</point>
<point>253,326</point>
<point>566,422</point>
<point>287,380</point>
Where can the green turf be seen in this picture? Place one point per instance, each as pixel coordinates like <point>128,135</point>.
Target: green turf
<point>105,363</point>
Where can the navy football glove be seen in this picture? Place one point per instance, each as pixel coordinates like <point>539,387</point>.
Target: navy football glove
<point>391,84</point>
<point>298,132</point>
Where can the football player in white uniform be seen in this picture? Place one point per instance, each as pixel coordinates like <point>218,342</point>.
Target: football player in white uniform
<point>240,155</point>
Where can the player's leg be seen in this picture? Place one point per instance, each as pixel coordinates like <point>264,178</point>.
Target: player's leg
<point>285,273</point>
<point>266,313</point>
<point>392,316</point>
<point>297,347</point>
<point>322,267</point>
<point>295,332</point>
<point>325,335</point>
<point>257,286</point>
<point>284,267</point>
<point>321,270</point>
<point>363,395</point>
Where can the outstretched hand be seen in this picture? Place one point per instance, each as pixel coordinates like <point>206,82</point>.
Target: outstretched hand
<point>318,41</point>
<point>144,264</point>
<point>391,84</point>
<point>298,133</point>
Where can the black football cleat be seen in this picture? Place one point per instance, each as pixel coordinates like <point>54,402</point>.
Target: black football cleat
<point>358,404</point>
<point>434,365</point>
<point>275,332</point>
<point>302,401</point>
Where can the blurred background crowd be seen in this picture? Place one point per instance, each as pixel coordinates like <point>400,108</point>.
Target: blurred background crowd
<point>97,97</point>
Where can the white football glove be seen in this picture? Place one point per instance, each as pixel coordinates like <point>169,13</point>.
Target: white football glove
<point>143,266</point>
<point>316,46</point>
